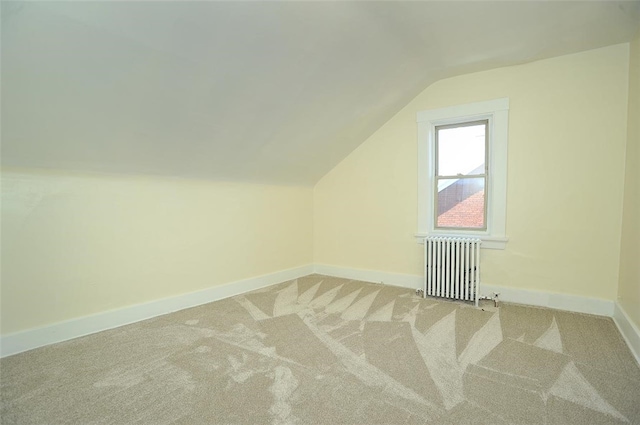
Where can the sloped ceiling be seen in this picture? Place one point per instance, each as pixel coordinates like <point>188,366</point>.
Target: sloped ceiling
<point>275,92</point>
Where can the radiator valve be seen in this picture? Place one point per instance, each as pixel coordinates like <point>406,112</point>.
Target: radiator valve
<point>420,292</point>
<point>493,297</point>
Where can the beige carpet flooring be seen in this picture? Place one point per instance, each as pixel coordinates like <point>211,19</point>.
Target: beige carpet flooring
<point>321,350</point>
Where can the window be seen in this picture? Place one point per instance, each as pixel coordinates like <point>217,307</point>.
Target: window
<point>461,175</point>
<point>462,172</point>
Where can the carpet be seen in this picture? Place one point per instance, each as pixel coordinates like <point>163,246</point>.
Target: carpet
<point>324,350</point>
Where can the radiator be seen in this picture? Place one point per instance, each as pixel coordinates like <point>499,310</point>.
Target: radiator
<point>452,268</point>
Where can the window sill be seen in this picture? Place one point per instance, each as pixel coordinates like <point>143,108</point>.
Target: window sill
<point>488,242</point>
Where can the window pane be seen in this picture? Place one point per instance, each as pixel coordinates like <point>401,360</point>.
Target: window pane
<point>461,150</point>
<point>461,203</point>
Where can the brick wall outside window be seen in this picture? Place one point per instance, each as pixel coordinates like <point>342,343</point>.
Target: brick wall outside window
<point>467,213</point>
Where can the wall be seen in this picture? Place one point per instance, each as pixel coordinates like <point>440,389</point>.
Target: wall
<point>74,245</point>
<point>629,289</point>
<point>567,139</point>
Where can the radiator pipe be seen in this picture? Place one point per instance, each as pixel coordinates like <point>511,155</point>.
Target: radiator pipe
<point>493,297</point>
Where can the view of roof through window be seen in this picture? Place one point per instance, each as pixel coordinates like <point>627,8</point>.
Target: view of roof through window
<point>461,152</point>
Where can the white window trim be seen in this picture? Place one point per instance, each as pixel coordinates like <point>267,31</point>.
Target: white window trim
<point>497,112</point>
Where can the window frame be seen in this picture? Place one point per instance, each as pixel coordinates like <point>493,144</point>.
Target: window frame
<point>497,113</point>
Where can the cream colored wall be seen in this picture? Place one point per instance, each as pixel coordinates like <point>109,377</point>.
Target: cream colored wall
<point>74,245</point>
<point>567,139</point>
<point>629,289</point>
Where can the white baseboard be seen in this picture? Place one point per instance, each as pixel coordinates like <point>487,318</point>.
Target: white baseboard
<point>74,328</point>
<point>575,303</point>
<point>375,276</point>
<point>566,302</point>
<point>628,329</point>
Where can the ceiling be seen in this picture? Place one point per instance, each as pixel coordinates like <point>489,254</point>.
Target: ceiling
<point>275,92</point>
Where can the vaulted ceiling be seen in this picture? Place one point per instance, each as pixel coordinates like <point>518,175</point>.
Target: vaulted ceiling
<point>276,92</point>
